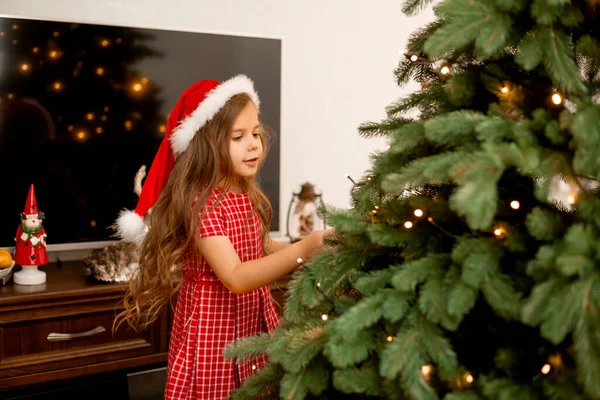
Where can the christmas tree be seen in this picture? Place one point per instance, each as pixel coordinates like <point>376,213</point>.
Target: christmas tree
<point>72,100</point>
<point>469,265</point>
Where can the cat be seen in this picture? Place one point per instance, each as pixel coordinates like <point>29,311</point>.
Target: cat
<point>118,261</point>
<point>113,263</point>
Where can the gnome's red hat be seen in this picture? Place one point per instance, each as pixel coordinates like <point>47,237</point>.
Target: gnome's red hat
<point>30,203</point>
<point>196,106</point>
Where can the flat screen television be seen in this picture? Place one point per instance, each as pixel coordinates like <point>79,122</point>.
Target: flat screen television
<point>83,107</point>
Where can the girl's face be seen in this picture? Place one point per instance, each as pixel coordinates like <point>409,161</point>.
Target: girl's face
<point>245,145</point>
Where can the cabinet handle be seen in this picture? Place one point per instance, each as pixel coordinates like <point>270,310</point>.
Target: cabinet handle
<point>57,337</point>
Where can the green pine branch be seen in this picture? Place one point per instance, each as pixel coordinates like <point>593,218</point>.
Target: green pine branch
<point>420,100</point>
<point>544,224</point>
<point>505,389</point>
<point>363,380</point>
<point>313,378</point>
<point>432,170</point>
<point>384,128</point>
<point>249,347</point>
<point>469,22</point>
<point>558,62</point>
<point>587,343</point>
<point>303,347</point>
<point>263,385</point>
<point>412,7</point>
<point>346,349</point>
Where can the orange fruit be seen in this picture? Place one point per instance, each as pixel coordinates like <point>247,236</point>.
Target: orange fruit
<point>5,259</point>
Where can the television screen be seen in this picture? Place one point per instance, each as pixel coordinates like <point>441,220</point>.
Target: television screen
<point>83,107</point>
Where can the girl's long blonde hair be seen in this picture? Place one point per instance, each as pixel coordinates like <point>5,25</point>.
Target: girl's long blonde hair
<point>174,221</point>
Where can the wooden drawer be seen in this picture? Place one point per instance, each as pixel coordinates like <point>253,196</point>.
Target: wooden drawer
<point>26,349</point>
<point>71,304</point>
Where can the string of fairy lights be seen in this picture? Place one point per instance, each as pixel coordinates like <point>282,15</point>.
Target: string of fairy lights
<point>27,66</point>
<point>446,68</point>
<point>466,379</point>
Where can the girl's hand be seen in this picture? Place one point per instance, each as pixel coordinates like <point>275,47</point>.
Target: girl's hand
<point>316,238</point>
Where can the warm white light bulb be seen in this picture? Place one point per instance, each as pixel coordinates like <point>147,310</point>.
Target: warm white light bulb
<point>408,224</point>
<point>299,260</point>
<point>426,370</point>
<point>414,58</point>
<point>556,98</point>
<point>324,317</point>
<point>546,369</point>
<point>445,70</point>
<point>390,338</point>
<point>498,232</point>
<point>254,368</point>
<point>515,205</point>
<point>418,213</point>
<point>469,378</point>
<point>318,284</point>
<point>504,89</point>
<point>571,199</point>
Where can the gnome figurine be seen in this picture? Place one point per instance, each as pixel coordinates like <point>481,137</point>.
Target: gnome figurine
<point>30,244</point>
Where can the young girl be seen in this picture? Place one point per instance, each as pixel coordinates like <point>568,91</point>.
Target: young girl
<point>210,223</point>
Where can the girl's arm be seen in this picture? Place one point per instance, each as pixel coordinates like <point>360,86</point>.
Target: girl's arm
<point>242,277</point>
<point>274,246</point>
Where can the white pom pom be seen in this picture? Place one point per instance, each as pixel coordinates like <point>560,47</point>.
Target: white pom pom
<point>130,226</point>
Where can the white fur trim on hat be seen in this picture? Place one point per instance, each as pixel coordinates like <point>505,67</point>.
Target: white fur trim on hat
<point>214,101</point>
<point>131,227</point>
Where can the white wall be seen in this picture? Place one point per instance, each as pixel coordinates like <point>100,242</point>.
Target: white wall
<point>338,59</point>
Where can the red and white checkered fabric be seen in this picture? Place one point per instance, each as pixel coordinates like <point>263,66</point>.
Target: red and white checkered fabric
<point>208,316</point>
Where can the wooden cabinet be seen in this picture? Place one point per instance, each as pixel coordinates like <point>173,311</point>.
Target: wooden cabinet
<point>64,329</point>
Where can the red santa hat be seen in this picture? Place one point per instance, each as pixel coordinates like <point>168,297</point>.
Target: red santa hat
<point>30,203</point>
<point>196,106</point>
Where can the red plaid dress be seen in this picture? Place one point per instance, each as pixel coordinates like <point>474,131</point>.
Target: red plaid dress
<point>208,315</point>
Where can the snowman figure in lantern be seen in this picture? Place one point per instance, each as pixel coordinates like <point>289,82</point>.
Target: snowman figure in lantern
<point>30,244</point>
